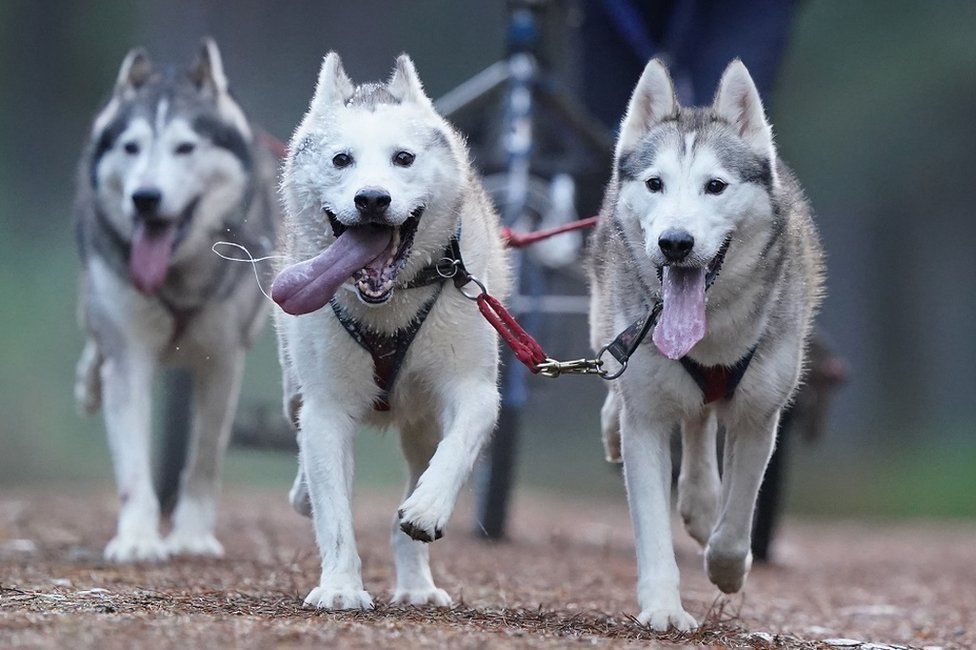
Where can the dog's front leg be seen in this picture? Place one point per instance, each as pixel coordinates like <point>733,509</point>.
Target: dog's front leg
<point>647,472</point>
<point>326,439</point>
<point>127,384</point>
<point>414,582</point>
<point>749,444</point>
<point>698,483</point>
<point>469,416</point>
<point>216,387</point>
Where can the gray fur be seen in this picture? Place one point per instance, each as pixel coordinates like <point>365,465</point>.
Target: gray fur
<point>764,299</point>
<point>207,311</point>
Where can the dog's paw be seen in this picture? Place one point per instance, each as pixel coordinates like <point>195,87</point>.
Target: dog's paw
<point>198,545</point>
<point>423,519</point>
<point>338,599</point>
<point>147,547</point>
<point>727,567</point>
<point>432,596</point>
<point>661,619</point>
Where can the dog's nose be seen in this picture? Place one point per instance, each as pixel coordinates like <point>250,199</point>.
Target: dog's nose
<point>147,200</point>
<point>372,201</point>
<point>676,244</point>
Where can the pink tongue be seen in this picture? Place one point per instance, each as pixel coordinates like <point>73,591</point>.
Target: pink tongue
<point>682,322</point>
<point>307,286</point>
<point>149,259</point>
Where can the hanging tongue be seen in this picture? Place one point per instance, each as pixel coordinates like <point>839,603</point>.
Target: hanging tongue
<point>307,286</point>
<point>682,322</point>
<point>149,259</point>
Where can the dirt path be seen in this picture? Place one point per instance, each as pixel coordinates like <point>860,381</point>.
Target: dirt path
<point>566,578</point>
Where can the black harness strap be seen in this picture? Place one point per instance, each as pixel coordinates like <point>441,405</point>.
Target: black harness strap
<point>717,382</point>
<point>389,350</point>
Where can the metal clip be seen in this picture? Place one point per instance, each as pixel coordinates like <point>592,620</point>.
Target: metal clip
<point>552,368</point>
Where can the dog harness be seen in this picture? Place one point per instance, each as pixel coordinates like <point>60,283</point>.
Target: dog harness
<point>389,350</point>
<point>715,382</point>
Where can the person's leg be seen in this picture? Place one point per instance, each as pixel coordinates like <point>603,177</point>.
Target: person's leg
<point>756,31</point>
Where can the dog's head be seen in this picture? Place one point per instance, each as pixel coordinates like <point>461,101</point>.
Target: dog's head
<point>376,156</point>
<point>693,181</point>
<point>169,149</point>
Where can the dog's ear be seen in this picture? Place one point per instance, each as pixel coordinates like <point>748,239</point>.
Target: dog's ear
<point>333,87</point>
<point>737,102</point>
<point>207,71</point>
<point>134,72</point>
<point>404,83</point>
<point>653,100</point>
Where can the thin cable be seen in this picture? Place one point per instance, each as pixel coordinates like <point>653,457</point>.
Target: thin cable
<point>250,258</point>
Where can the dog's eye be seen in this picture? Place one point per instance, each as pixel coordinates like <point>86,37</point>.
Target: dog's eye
<point>131,148</point>
<point>341,160</point>
<point>715,186</point>
<point>403,159</point>
<point>185,148</point>
<point>655,184</point>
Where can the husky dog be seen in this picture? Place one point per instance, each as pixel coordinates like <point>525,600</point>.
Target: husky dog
<point>379,183</point>
<point>699,202</point>
<point>172,167</point>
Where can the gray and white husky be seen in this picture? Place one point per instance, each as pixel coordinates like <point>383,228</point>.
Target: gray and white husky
<point>172,166</point>
<point>378,188</point>
<point>702,220</point>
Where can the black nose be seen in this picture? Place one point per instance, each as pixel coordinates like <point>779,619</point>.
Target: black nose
<point>147,200</point>
<point>676,244</point>
<point>372,202</point>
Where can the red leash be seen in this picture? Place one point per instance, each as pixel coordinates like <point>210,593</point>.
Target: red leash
<point>514,239</point>
<point>526,349</point>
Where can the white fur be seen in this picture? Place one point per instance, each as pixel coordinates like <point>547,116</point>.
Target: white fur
<point>445,401</point>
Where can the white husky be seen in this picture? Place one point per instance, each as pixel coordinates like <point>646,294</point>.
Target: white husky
<point>376,187</point>
<point>700,202</point>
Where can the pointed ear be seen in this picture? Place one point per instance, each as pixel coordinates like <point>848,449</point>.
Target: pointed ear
<point>134,72</point>
<point>404,83</point>
<point>207,72</point>
<point>333,87</point>
<point>653,101</point>
<point>737,102</point>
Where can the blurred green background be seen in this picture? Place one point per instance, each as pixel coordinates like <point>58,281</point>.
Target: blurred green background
<point>874,109</point>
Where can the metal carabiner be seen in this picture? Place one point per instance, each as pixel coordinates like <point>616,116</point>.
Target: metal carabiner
<point>478,282</point>
<point>552,368</point>
<point>610,376</point>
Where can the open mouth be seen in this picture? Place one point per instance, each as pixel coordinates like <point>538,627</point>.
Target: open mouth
<point>681,324</point>
<point>154,240</point>
<point>713,268</point>
<point>375,281</point>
